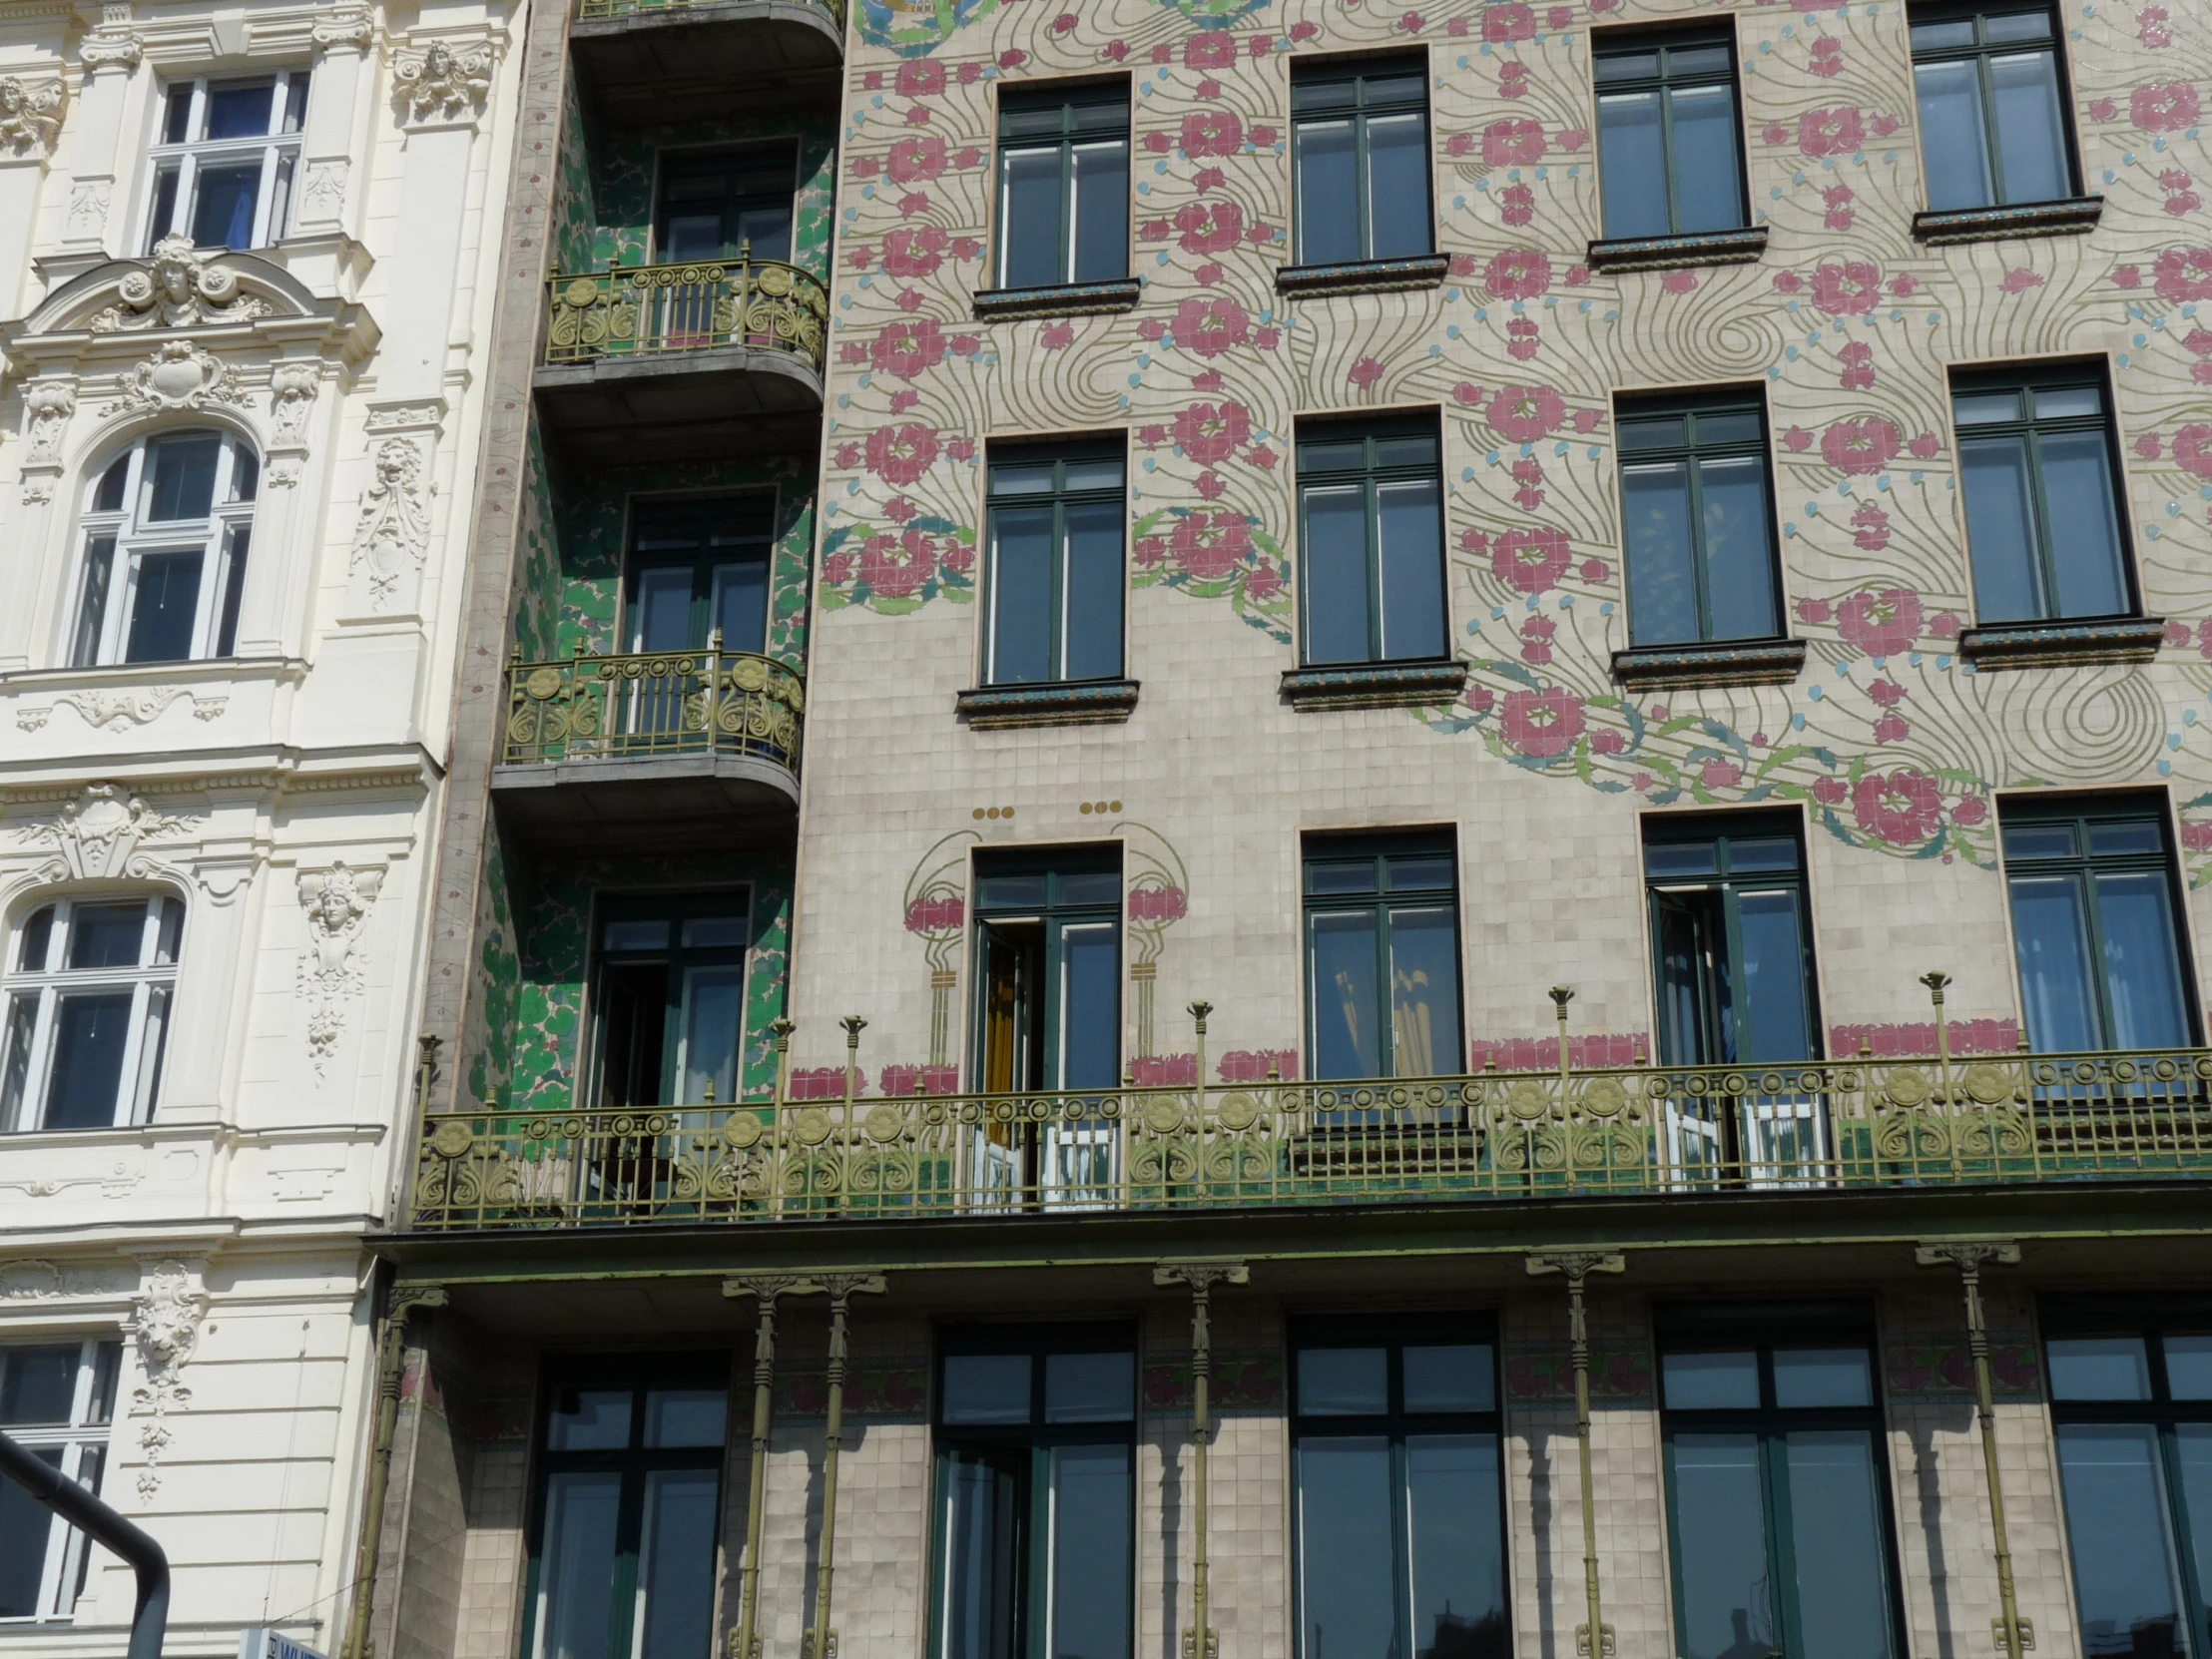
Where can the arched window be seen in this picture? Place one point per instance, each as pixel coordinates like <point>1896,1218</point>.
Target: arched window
<point>165,528</point>
<point>88,985</point>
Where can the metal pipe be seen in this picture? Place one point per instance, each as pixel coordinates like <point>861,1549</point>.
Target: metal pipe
<point>391,1351</point>
<point>1594,1639</point>
<point>822,1641</point>
<point>99,1520</point>
<point>1201,1640</point>
<point>745,1640</point>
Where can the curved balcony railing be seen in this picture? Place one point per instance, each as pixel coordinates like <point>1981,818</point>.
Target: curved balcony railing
<point>831,9</point>
<point>655,309</point>
<point>1650,1131</point>
<point>652,704</point>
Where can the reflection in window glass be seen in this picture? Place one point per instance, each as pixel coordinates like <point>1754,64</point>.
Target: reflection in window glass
<point>88,1012</point>
<point>1699,524</point>
<point>1370,538</point>
<point>1368,927</point>
<point>1359,160</point>
<point>1992,121</point>
<point>1669,156</point>
<point>1055,575</point>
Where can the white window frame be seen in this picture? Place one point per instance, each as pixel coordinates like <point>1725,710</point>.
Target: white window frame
<point>124,537</point>
<point>32,1003</point>
<point>83,1442</point>
<point>277,149</point>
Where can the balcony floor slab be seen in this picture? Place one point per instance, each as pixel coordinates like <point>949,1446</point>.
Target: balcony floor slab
<point>664,804</point>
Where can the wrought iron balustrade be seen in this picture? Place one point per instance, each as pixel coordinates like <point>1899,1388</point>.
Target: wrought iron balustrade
<point>585,9</point>
<point>652,704</point>
<point>651,310</point>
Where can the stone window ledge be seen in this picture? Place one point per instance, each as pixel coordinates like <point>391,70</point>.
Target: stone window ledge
<point>1066,702</point>
<point>1374,685</point>
<point>2057,643</point>
<point>1061,300</point>
<point>1672,252</point>
<point>2077,216</point>
<point>1422,271</point>
<point>1731,663</point>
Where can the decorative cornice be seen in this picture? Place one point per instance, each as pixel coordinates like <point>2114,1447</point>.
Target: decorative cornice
<point>2063,643</point>
<point>1728,663</point>
<point>2071,217</point>
<point>1061,300</point>
<point>1374,685</point>
<point>1671,252</point>
<point>1080,703</point>
<point>30,113</point>
<point>1422,270</point>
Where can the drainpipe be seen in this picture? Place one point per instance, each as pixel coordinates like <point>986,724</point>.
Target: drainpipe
<point>1593,1639</point>
<point>100,1521</point>
<point>822,1641</point>
<point>1201,1640</point>
<point>391,1355</point>
<point>2014,1634</point>
<point>744,1639</point>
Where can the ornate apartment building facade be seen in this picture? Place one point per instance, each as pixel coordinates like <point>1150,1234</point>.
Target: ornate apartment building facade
<point>1297,829</point>
<point>248,257</point>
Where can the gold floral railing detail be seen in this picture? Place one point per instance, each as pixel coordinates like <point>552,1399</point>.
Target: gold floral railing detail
<point>833,9</point>
<point>642,311</point>
<point>652,704</point>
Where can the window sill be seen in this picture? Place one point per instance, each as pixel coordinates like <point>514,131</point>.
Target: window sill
<point>1062,703</point>
<point>1670,253</point>
<point>1728,663</point>
<point>1420,271</point>
<point>2074,217</point>
<point>1374,685</point>
<point>2058,644</point>
<point>1061,300</point>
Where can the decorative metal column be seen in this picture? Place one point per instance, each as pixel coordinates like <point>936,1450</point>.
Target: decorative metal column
<point>745,1636</point>
<point>822,1641</point>
<point>2014,1634</point>
<point>1594,1639</point>
<point>1200,1639</point>
<point>391,1364</point>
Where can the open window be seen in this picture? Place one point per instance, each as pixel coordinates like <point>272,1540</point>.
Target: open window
<point>166,531</point>
<point>670,1000</point>
<point>88,992</point>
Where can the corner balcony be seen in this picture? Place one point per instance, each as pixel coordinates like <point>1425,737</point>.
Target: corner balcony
<point>682,361</point>
<point>646,53</point>
<point>659,751</point>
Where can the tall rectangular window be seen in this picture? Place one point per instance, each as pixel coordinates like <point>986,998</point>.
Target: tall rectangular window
<point>1055,577</point>
<point>222,165</point>
<point>698,569</point>
<point>1778,1509</point>
<point>57,1401</point>
<point>2038,464</point>
<point>1698,521</point>
<point>1992,103</point>
<point>1372,535</point>
<point>1669,137</point>
<point>1359,150</point>
<point>1063,185</point>
<point>717,203</point>
<point>1400,1537</point>
<point>2096,925</point>
<point>670,1002</point>
<point>88,985</point>
<point>628,1511</point>
<point>2131,1408</point>
<point>1035,1552</point>
<point>1383,957</point>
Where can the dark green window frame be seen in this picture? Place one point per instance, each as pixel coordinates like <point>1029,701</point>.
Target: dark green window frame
<point>1024,1602</point>
<point>1354,89</point>
<point>1061,891</point>
<point>1061,118</point>
<point>1610,54</point>
<point>683,963</point>
<point>725,531</point>
<point>1087,577</point>
<point>1408,612</point>
<point>1722,431</point>
<point>1761,1330</point>
<point>1487,1634</point>
<point>758,189</point>
<point>1978,421</point>
<point>1930,23</point>
<point>1744,858</point>
<point>1345,879</point>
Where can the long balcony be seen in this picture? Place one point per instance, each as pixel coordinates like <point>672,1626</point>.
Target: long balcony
<point>665,747</point>
<point>640,54</point>
<point>672,362</point>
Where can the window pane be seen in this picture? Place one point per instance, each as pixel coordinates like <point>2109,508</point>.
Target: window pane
<point>1836,1544</point>
<point>684,1416</point>
<point>1980,408</point>
<point>740,604</point>
<point>635,935</point>
<point>1412,532</point>
<point>1697,60</point>
<point>2142,965</point>
<point>1458,1565</point>
<point>1806,1377</point>
<point>715,933</point>
<point>2031,142</point>
<point>2069,403</point>
<point>1770,853</point>
<point>1662,585</point>
<point>1654,432</point>
<point>2124,1559</point>
<point>233,590</point>
<point>1455,1378</point>
<point>1776,1021</point>
<point>163,608</point>
<point>1093,1538</point>
<point>1342,1381</point>
<point>1101,210</point>
<point>1021,595</point>
<point>676,1565</point>
<point>1421,872</point>
<point>1719,1525</point>
<point>15,1070</point>
<point>1090,1006</point>
<point>177,115</point>
<point>1022,480</point>
<point>714,1027</point>
<point>2050,933</point>
<point>151,1037</point>
<point>180,477</point>
<point>38,1384</point>
<point>1928,37</point>
<point>1336,628</point>
<point>90,1030</point>
<point>1664,858</point>
<point>1398,186</point>
<point>1627,65</point>
<point>2085,524</point>
<point>1708,179</point>
<point>1009,892</point>
<point>2000,530</point>
<point>239,111</point>
<point>1328,193</point>
<point>28,1527</point>
<point>1953,147</point>
<point>2193,1471</point>
<point>1632,164</point>
<point>1741,426</point>
<point>765,228</point>
<point>986,1387</point>
<point>660,617</point>
<point>981,1553</point>
<point>1345,1003</point>
<point>1344,1549</point>
<point>106,935</point>
<point>589,1420</point>
<point>1739,550</point>
<point>2189,1376</point>
<point>576,1596</point>
<point>1092,616</point>
<point>1425,992</point>
<point>222,204</point>
<point>1098,886</point>
<point>1029,217</point>
<point>2100,1367</point>
<point>1089,1387</point>
<point>2127,837</point>
<point>1711,1381</point>
<point>2039,840</point>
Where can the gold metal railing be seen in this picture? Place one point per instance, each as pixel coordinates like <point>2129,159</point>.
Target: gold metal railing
<point>652,704</point>
<point>833,9</point>
<point>642,311</point>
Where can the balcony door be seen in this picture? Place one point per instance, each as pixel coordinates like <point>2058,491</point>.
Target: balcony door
<point>714,204</point>
<point>696,568</point>
<point>670,1000</point>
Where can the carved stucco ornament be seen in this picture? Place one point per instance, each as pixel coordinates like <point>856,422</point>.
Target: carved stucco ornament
<point>336,902</point>
<point>115,711</point>
<point>98,836</point>
<point>291,390</point>
<point>392,533</point>
<point>30,113</point>
<point>164,1324</point>
<point>47,407</point>
<point>178,287</point>
<point>442,83</point>
<point>181,375</point>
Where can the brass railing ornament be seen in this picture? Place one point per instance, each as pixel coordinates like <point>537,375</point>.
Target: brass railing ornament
<point>1593,1639</point>
<point>649,311</point>
<point>633,705</point>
